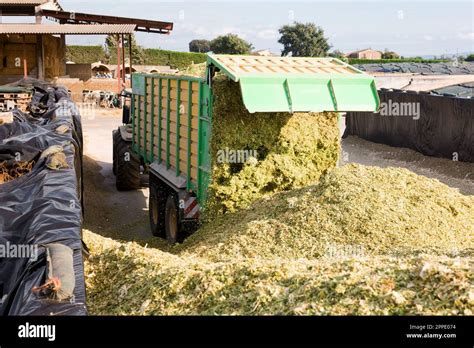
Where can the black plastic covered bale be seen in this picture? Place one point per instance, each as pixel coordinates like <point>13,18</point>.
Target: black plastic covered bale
<point>43,207</point>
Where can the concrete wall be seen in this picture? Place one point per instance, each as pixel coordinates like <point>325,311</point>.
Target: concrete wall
<point>80,71</point>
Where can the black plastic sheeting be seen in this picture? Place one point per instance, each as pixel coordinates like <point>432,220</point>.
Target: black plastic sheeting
<point>449,68</point>
<point>44,206</point>
<point>463,90</point>
<point>445,127</point>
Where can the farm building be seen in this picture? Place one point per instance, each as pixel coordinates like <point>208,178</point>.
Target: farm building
<point>38,49</point>
<point>19,55</point>
<point>367,53</point>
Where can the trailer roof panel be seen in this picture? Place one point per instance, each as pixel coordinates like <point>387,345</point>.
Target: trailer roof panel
<point>239,66</point>
<point>288,84</point>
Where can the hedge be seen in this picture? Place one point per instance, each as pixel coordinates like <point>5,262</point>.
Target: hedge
<point>176,60</point>
<point>85,54</point>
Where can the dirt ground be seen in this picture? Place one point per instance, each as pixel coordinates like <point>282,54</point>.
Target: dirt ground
<point>459,175</point>
<point>124,215</point>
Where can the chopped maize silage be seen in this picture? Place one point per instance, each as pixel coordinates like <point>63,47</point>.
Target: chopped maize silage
<point>293,150</point>
<point>367,209</point>
<point>128,279</point>
<point>286,151</point>
<point>291,254</point>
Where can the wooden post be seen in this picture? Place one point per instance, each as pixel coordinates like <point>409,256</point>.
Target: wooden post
<point>63,60</point>
<point>38,15</point>
<point>131,58</point>
<point>40,56</point>
<point>25,63</point>
<point>123,59</point>
<point>119,89</point>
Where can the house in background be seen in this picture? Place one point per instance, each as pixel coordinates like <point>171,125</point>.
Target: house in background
<point>367,53</point>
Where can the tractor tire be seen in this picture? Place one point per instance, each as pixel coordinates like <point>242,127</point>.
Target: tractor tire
<point>172,223</point>
<point>157,209</point>
<point>128,167</point>
<point>115,139</point>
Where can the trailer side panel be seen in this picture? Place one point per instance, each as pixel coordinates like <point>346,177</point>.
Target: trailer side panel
<point>166,123</point>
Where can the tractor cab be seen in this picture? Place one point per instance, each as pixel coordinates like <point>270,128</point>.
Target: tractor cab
<point>126,102</point>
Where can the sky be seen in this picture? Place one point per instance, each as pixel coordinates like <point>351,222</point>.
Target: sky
<point>410,28</point>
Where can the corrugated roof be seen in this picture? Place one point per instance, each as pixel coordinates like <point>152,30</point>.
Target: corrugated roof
<point>22,2</point>
<point>145,25</point>
<point>45,4</point>
<point>71,29</point>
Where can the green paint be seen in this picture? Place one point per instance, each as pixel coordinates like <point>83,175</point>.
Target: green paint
<point>190,110</point>
<point>139,145</point>
<point>160,116</point>
<point>145,117</point>
<point>133,122</point>
<point>152,145</point>
<point>168,111</point>
<point>178,126</point>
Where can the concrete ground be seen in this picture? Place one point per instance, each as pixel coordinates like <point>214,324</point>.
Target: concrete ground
<point>124,215</point>
<point>115,214</point>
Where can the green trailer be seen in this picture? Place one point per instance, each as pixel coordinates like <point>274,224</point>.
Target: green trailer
<point>168,125</point>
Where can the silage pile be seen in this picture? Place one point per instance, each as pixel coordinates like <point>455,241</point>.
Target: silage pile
<point>412,239</point>
<point>127,279</point>
<point>283,151</point>
<point>373,210</point>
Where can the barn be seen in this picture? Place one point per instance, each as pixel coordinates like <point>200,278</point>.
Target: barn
<point>38,49</point>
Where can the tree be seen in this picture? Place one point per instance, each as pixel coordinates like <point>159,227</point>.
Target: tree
<point>470,58</point>
<point>230,44</point>
<point>337,54</point>
<point>138,53</point>
<point>200,46</point>
<point>389,55</point>
<point>303,40</point>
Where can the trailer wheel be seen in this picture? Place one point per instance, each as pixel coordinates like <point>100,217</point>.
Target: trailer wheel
<point>157,208</point>
<point>115,138</point>
<point>128,167</point>
<point>172,225</point>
